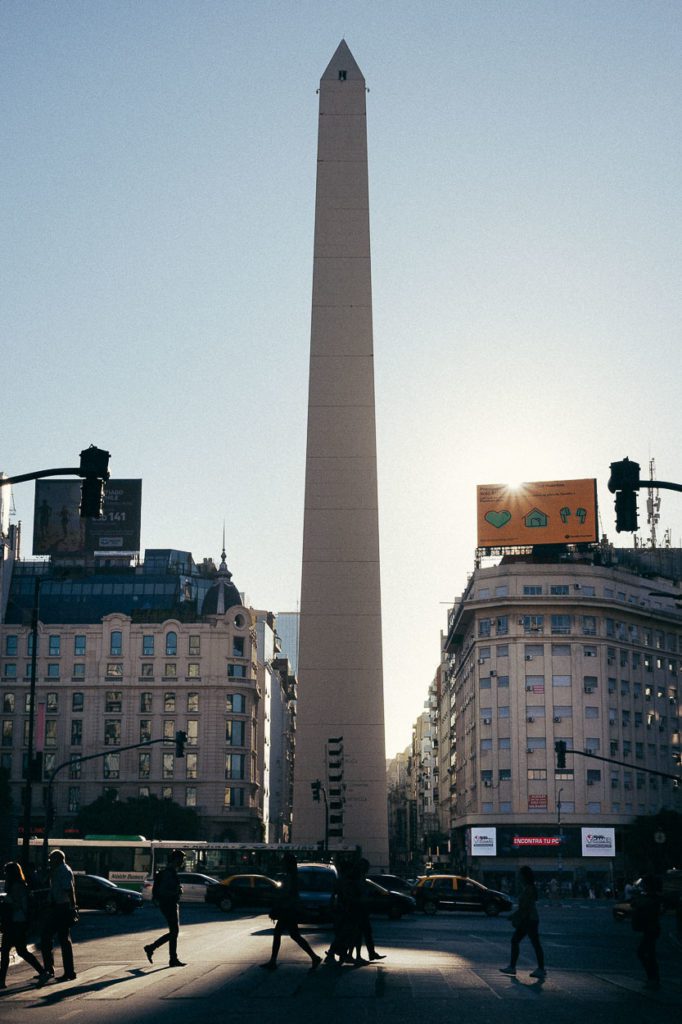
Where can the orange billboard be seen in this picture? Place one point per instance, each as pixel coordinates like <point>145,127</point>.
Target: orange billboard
<point>549,512</point>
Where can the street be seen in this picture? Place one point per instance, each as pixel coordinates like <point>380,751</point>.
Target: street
<point>436,969</point>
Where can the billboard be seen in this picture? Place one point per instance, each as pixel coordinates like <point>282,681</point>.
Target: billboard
<point>59,530</point>
<point>598,842</point>
<point>548,512</point>
<point>483,842</point>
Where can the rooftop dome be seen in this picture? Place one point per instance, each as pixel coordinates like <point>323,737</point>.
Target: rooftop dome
<point>223,595</point>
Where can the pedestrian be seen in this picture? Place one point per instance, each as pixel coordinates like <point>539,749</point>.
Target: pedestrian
<point>526,922</point>
<point>363,924</point>
<point>62,913</point>
<point>167,891</point>
<point>285,915</point>
<point>15,911</point>
<point>646,912</point>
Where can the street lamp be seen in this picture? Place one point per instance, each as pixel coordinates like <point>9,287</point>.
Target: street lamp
<point>30,768</point>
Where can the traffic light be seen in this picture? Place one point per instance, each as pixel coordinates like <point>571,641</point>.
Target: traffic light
<point>624,483</point>
<point>316,787</point>
<point>180,740</point>
<point>560,750</point>
<point>94,468</point>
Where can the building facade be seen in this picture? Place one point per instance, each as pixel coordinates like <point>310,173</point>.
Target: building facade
<point>130,655</point>
<point>587,651</point>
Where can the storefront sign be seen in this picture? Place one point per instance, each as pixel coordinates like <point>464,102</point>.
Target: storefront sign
<point>483,842</point>
<point>598,842</point>
<point>536,841</point>
<point>537,801</point>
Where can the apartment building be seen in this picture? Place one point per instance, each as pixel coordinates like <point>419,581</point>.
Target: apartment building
<point>586,649</point>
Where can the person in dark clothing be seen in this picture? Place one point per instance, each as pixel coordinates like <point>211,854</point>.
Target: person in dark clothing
<point>284,914</point>
<point>363,925</point>
<point>526,922</point>
<point>646,912</point>
<point>60,917</point>
<point>169,892</point>
<point>15,923</point>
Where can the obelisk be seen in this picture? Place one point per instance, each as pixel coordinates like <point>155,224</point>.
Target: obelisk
<point>340,711</point>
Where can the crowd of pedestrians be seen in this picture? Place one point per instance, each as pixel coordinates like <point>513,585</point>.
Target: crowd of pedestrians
<point>351,919</point>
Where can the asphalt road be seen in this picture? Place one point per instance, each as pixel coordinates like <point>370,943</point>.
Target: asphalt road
<point>436,969</point>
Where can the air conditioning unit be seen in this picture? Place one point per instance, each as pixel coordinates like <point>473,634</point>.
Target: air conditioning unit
<point>590,654</point>
<point>529,750</point>
<point>487,721</point>
<point>493,672</point>
<point>487,783</point>
<point>577,586</point>
<point>530,718</point>
<point>557,718</point>
<point>529,657</point>
<point>529,689</point>
<point>590,782</point>
<point>588,689</point>
<point>481,661</point>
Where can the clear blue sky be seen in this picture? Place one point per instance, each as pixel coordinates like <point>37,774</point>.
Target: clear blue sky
<point>157,219</point>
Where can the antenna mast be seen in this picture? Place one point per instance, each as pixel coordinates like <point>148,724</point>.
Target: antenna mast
<point>653,505</point>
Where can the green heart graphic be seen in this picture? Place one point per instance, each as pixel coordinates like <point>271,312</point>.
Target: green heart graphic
<point>497,519</point>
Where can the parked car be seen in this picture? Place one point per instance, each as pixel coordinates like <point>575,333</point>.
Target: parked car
<point>387,901</point>
<point>394,883</point>
<point>95,893</point>
<point>316,885</point>
<point>455,892</point>
<point>255,891</point>
<point>194,886</point>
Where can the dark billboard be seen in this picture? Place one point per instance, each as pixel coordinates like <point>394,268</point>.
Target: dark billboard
<point>59,530</point>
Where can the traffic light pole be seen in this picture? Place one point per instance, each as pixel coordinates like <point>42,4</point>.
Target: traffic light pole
<point>624,764</point>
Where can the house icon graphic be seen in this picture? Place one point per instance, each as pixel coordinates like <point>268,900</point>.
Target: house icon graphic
<point>535,518</point>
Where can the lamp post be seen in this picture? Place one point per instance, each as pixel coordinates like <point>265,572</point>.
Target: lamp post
<point>28,788</point>
<point>561,853</point>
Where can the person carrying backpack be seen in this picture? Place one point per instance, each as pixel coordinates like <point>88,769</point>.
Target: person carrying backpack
<point>166,892</point>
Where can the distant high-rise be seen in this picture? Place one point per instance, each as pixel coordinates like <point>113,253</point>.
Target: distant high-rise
<point>340,720</point>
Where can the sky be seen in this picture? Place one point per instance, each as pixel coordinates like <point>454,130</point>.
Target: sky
<point>156,211</point>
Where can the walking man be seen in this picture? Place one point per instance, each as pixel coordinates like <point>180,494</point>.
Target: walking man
<point>526,922</point>
<point>61,914</point>
<point>646,910</point>
<point>168,891</point>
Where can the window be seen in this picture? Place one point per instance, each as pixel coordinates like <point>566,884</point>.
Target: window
<point>51,732</point>
<point>559,589</point>
<point>8,704</point>
<point>234,796</point>
<point>147,670</point>
<point>536,743</point>
<point>112,732</point>
<point>168,766</point>
<point>171,644</point>
<point>484,683</point>
<point>11,646</point>
<point>535,684</point>
<point>484,627</point>
<point>166,792</point>
<point>561,624</point>
<point>532,590</point>
<point>78,670</point>
<point>591,712</point>
<point>145,730</point>
<point>234,766</point>
<point>27,703</point>
<point>74,799</point>
<point>29,645</point>
<point>170,670</point>
<point>193,670</point>
<point>592,744</point>
<point>234,732</point>
<point>75,767</point>
<point>194,645</point>
<point>114,670</point>
<point>53,670</point>
<point>7,732</point>
<point>502,625</point>
<point>192,732</point>
<point>169,730</point>
<point>79,642</point>
<point>502,590</point>
<point>145,702</point>
<point>193,702</point>
<point>236,703</point>
<point>9,670</point>
<point>169,701</point>
<point>147,645</point>
<point>502,682</point>
<point>77,701</point>
<point>537,773</point>
<point>116,644</point>
<point>533,623</point>
<point>144,764</point>
<point>112,766</point>
<point>589,625</point>
<point>590,683</point>
<point>236,671</point>
<point>505,807</point>
<point>238,647</point>
<point>486,745</point>
<point>504,774</point>
<point>532,651</point>
<point>54,646</point>
<point>504,743</point>
<point>594,807</point>
<point>561,650</point>
<point>191,765</point>
<point>502,651</point>
<point>113,701</point>
<point>191,796</point>
<point>503,711</point>
<point>593,775</point>
<point>76,732</point>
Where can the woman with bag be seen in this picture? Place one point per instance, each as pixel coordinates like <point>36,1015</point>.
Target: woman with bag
<point>526,922</point>
<point>284,914</point>
<point>15,922</point>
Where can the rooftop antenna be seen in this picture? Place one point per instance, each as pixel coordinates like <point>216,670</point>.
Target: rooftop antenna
<point>653,505</point>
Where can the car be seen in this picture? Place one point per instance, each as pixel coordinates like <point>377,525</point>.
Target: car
<point>386,901</point>
<point>254,891</point>
<point>316,888</point>
<point>394,883</point>
<point>457,892</point>
<point>194,886</point>
<point>96,893</point>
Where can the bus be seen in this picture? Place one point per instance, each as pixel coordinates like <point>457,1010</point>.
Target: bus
<point>128,860</point>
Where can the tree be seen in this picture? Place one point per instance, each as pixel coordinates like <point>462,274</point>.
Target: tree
<point>147,816</point>
<point>653,842</point>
